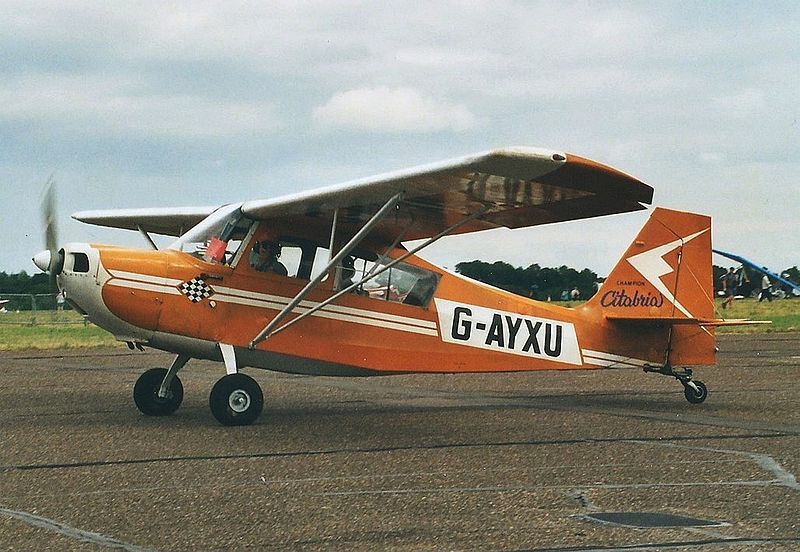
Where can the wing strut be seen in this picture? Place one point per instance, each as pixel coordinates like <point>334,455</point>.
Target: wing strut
<point>376,218</point>
<point>333,232</point>
<point>383,269</point>
<point>146,236</point>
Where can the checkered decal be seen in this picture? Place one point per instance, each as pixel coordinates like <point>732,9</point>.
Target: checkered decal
<point>196,290</point>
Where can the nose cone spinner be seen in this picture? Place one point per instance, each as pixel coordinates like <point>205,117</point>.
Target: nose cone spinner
<point>42,260</point>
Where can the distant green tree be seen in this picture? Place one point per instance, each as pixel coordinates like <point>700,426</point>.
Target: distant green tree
<point>21,282</point>
<point>534,281</point>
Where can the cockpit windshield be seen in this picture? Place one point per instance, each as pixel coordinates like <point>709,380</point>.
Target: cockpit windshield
<point>217,238</point>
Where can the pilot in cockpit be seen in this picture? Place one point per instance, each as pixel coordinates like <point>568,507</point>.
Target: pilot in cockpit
<point>265,255</point>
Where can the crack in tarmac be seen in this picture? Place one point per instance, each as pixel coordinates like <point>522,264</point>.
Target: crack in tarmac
<point>372,450</point>
<point>64,530</point>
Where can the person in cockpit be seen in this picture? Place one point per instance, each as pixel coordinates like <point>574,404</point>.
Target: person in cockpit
<point>264,257</point>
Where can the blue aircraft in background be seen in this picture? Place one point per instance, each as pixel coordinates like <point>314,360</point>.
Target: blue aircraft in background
<point>788,285</point>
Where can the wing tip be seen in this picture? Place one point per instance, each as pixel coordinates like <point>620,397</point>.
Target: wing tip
<point>528,152</point>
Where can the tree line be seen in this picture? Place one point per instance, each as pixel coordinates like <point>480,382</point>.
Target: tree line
<point>534,281</point>
<point>23,283</point>
<point>557,284</point>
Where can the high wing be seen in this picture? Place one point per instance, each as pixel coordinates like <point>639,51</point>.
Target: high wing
<point>513,187</point>
<point>169,221</point>
<point>518,187</point>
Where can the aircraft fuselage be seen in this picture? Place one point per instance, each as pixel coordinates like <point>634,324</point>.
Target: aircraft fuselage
<point>174,301</point>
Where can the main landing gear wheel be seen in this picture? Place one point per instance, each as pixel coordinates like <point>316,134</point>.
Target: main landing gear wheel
<point>236,399</point>
<point>695,396</point>
<point>145,393</point>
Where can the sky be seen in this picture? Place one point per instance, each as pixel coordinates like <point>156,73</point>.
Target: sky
<point>156,104</point>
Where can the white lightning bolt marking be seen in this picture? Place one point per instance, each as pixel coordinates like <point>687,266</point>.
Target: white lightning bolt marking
<point>652,266</point>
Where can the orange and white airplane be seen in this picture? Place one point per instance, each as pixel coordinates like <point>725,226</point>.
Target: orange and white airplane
<point>319,282</point>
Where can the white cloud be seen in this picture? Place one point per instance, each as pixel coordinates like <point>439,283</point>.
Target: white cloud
<point>444,58</point>
<point>712,157</point>
<point>392,110</point>
<point>119,105</point>
<point>746,103</point>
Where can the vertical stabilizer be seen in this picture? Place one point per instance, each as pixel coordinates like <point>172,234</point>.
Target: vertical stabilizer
<point>661,292</point>
<point>665,274</point>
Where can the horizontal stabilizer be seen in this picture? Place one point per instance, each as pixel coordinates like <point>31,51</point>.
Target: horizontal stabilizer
<point>650,320</point>
<point>733,322</point>
<point>674,320</point>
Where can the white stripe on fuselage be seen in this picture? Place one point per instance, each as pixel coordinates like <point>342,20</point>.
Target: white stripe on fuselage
<point>230,295</point>
<point>600,358</point>
<point>135,276</point>
<point>145,286</point>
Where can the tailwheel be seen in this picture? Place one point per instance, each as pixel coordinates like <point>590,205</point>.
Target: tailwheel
<point>145,393</point>
<point>236,399</point>
<point>695,391</point>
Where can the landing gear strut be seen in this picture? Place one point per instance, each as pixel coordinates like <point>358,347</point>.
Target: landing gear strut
<point>236,399</point>
<point>695,391</point>
<point>147,397</point>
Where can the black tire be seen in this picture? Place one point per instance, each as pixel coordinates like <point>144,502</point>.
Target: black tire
<point>236,399</point>
<point>145,393</point>
<point>695,397</point>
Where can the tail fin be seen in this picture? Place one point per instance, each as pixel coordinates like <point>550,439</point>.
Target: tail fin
<point>665,275</point>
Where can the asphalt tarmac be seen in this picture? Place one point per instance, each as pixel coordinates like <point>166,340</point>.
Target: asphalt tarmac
<point>441,462</point>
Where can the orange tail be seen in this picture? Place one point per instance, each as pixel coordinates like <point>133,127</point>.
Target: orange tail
<point>665,279</point>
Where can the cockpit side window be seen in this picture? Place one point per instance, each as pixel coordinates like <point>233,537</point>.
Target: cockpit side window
<point>402,283</point>
<point>284,255</point>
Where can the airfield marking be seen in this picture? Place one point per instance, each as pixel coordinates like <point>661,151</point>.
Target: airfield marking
<point>783,477</point>
<point>70,532</point>
<point>710,532</point>
<point>578,494</point>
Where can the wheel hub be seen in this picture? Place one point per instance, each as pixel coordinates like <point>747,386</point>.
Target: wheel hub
<point>239,401</point>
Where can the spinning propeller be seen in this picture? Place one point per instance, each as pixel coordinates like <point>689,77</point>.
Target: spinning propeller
<point>51,260</point>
